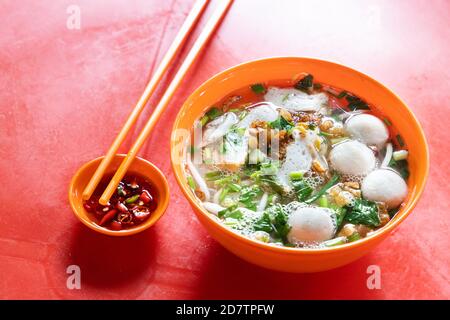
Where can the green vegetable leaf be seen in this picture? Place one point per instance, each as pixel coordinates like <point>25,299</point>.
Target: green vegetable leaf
<point>248,196</point>
<point>230,212</point>
<point>258,88</point>
<point>302,189</point>
<point>213,113</point>
<point>355,103</point>
<point>305,84</point>
<point>281,124</point>
<point>274,221</point>
<point>363,212</point>
<point>401,166</point>
<point>263,224</point>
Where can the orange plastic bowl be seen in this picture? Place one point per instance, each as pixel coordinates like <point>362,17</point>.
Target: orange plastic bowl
<point>139,166</point>
<point>293,259</point>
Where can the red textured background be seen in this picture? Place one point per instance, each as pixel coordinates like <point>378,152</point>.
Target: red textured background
<point>65,93</point>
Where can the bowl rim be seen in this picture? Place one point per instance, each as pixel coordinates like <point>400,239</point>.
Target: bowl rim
<point>406,210</point>
<point>161,208</point>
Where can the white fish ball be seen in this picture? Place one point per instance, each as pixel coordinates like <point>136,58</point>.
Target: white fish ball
<point>311,224</point>
<point>384,185</point>
<point>352,158</point>
<point>367,129</point>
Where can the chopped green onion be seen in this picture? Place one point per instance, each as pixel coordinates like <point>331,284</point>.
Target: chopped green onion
<point>121,192</point>
<point>400,140</point>
<point>223,194</point>
<point>353,237</point>
<point>387,122</point>
<point>335,241</point>
<point>234,187</point>
<point>338,140</point>
<point>132,199</point>
<point>191,182</point>
<point>296,175</point>
<point>204,120</point>
<point>400,155</point>
<point>323,201</point>
<point>324,189</point>
<point>213,175</point>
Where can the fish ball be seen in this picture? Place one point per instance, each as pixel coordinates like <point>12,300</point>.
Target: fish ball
<point>384,185</point>
<point>367,129</point>
<point>352,158</point>
<point>311,224</point>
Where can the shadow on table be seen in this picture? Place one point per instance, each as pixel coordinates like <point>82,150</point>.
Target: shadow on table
<point>225,276</point>
<point>114,262</point>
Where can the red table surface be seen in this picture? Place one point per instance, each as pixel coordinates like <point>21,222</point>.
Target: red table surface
<point>65,93</point>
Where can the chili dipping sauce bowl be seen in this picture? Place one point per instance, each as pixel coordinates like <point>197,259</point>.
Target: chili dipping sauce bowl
<point>139,167</point>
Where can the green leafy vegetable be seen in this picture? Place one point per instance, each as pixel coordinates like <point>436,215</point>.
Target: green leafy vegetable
<point>363,212</point>
<point>356,103</point>
<point>302,189</point>
<point>305,84</point>
<point>281,124</point>
<point>273,221</point>
<point>230,212</point>
<point>213,113</point>
<point>401,166</point>
<point>324,189</point>
<point>248,196</point>
<point>258,88</point>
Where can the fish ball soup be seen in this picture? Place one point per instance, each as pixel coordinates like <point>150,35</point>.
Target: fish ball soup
<point>298,164</point>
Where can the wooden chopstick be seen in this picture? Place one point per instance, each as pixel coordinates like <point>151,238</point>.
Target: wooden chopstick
<point>187,63</point>
<point>168,58</point>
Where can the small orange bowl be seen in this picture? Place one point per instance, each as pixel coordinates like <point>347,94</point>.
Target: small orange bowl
<point>140,167</point>
<point>376,94</point>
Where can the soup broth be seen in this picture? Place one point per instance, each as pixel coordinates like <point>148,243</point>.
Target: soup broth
<point>297,163</point>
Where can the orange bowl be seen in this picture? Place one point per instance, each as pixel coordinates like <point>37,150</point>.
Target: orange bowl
<point>295,259</point>
<point>139,166</point>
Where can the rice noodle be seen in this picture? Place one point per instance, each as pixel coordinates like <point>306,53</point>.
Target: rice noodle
<point>198,179</point>
<point>213,208</point>
<point>388,156</point>
<point>263,202</point>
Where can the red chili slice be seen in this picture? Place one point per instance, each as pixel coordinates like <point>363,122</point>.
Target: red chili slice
<point>146,197</point>
<point>141,213</point>
<point>115,225</point>
<point>120,206</point>
<point>108,217</point>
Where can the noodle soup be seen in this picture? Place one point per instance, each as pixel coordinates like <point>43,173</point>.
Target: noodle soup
<point>297,164</point>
